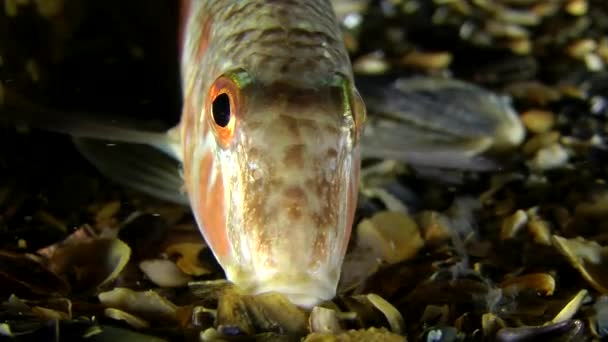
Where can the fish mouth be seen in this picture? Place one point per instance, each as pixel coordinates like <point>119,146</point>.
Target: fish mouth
<point>302,289</point>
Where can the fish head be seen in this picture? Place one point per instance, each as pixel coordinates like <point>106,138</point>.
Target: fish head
<point>275,194</point>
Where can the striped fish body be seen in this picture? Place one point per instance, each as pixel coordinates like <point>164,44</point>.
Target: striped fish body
<point>269,141</point>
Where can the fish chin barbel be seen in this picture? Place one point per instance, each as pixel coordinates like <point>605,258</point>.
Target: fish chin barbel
<point>269,142</point>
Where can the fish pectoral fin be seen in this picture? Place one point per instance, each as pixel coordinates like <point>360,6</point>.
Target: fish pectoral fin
<point>138,166</point>
<point>434,156</point>
<point>437,122</point>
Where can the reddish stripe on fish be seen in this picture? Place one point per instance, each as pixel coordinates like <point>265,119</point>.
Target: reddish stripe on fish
<point>351,206</point>
<point>187,127</point>
<point>211,208</point>
<point>184,12</point>
<point>203,43</point>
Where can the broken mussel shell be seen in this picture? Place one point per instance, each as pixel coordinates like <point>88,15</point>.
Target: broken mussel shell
<point>187,254</point>
<point>588,257</point>
<point>72,258</point>
<point>391,236</point>
<point>164,273</point>
<point>27,274</point>
<point>571,330</point>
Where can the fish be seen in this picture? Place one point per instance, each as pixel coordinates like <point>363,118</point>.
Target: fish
<point>268,148</point>
<point>269,141</point>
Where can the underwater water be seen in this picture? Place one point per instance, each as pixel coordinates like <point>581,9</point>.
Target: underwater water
<point>482,197</point>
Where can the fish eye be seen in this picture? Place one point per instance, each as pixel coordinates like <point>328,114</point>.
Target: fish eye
<point>223,109</point>
<point>220,109</point>
<point>224,104</point>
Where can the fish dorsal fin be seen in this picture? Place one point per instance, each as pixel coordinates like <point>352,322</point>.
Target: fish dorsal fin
<point>141,167</point>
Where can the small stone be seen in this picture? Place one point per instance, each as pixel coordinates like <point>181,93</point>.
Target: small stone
<point>132,320</point>
<point>435,226</point>
<point>545,9</point>
<point>373,63</point>
<point>22,244</point>
<point>540,141</point>
<point>106,214</point>
<point>602,50</point>
<point>511,225</point>
<point>596,207</point>
<point>512,16</point>
<point>580,48</point>
<point>520,46</point>
<point>427,60</point>
<point>31,67</point>
<point>49,8</point>
<point>188,257</point>
<point>594,62</point>
<point>541,283</point>
<point>323,320</point>
<point>540,231</point>
<point>505,206</point>
<point>393,236</point>
<point>538,121</point>
<point>550,157</point>
<point>148,305</point>
<point>164,273</point>
<point>500,29</point>
<point>577,7</point>
<point>490,324</point>
<point>10,8</point>
<point>535,91</point>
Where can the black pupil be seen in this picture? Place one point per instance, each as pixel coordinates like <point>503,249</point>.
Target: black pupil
<point>221,110</point>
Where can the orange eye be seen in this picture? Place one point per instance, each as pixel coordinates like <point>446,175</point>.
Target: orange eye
<point>224,108</point>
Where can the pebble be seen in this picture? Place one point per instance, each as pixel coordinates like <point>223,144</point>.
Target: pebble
<point>164,273</point>
<point>393,236</point>
<point>580,48</point>
<point>550,157</point>
<point>427,60</point>
<point>538,121</point>
<point>520,46</point>
<point>373,63</point>
<point>49,8</point>
<point>540,141</point>
<point>512,224</point>
<point>577,7</point>
<point>540,231</point>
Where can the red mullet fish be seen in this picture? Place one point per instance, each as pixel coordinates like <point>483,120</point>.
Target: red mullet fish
<point>268,140</point>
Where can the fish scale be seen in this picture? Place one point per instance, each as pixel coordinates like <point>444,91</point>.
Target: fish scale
<point>295,41</point>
